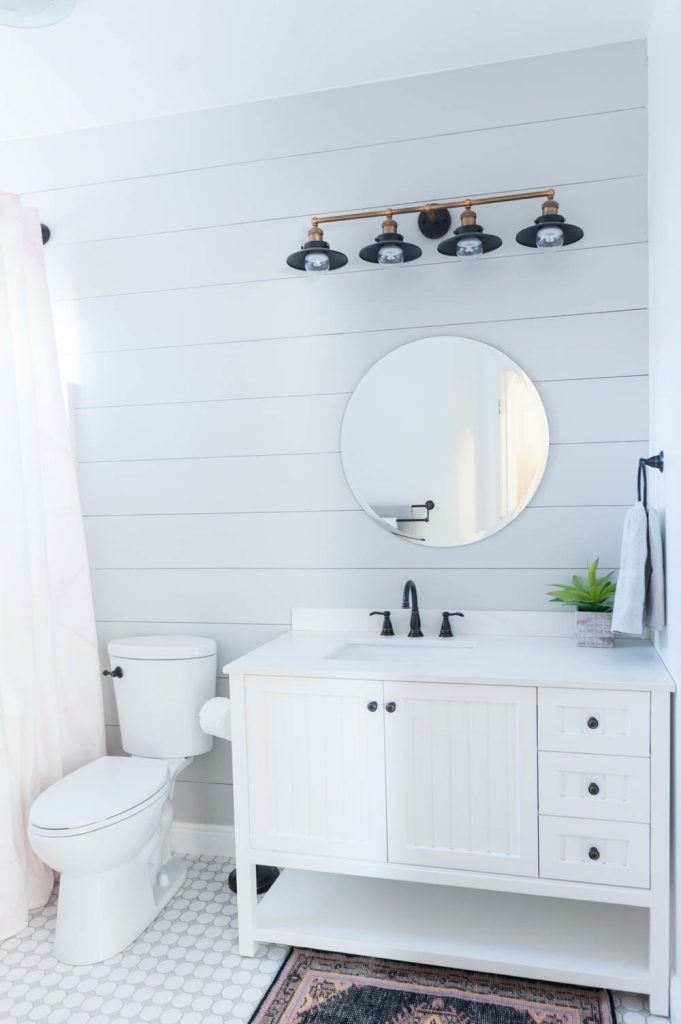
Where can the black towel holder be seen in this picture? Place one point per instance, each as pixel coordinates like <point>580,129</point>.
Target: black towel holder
<point>652,462</point>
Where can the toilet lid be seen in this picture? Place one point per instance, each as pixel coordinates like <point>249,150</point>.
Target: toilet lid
<point>106,788</point>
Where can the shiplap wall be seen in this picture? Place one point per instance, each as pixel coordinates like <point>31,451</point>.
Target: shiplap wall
<point>214,379</point>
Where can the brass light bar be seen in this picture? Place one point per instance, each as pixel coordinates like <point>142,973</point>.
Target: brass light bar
<point>549,231</point>
<point>430,208</point>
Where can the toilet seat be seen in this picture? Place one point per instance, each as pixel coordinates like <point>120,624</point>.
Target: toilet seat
<point>97,795</point>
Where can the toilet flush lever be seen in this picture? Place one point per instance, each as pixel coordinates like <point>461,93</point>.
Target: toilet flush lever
<point>117,672</point>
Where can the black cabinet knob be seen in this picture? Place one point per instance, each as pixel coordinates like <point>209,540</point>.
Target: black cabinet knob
<point>117,672</point>
<point>593,723</point>
<point>594,788</point>
<point>594,853</point>
<point>390,706</point>
<point>372,705</point>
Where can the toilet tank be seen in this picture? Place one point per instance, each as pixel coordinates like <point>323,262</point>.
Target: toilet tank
<point>160,686</point>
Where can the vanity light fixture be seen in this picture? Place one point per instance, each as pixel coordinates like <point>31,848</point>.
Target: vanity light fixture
<point>549,230</point>
<point>469,239</point>
<point>389,249</point>
<point>316,255</point>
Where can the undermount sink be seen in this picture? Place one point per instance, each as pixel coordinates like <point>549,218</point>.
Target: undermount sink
<point>408,651</point>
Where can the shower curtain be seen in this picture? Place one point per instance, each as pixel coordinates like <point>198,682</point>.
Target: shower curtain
<point>51,718</point>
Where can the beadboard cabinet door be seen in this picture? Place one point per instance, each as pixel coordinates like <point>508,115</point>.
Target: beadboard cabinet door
<point>316,768</point>
<point>461,765</point>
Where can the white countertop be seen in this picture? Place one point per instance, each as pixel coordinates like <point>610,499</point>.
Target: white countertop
<point>502,660</point>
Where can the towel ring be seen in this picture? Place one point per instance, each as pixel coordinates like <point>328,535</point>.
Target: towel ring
<point>654,462</point>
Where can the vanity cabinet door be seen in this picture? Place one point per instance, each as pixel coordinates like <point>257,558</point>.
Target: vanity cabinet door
<point>462,776</point>
<point>316,769</point>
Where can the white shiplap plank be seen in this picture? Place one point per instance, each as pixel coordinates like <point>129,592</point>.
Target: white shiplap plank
<point>546,348</point>
<point>346,540</point>
<point>591,474</point>
<point>276,483</point>
<point>199,429</point>
<point>249,595</point>
<point>581,411</point>
<point>586,81</point>
<point>562,283</point>
<point>577,474</point>
<point>601,146</point>
<point>247,252</point>
<point>608,409</point>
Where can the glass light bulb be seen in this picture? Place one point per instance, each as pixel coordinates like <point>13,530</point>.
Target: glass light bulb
<point>390,255</point>
<point>550,236</point>
<point>317,260</point>
<point>469,247</point>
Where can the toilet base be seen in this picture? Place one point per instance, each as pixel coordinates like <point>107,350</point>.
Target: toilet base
<point>98,916</point>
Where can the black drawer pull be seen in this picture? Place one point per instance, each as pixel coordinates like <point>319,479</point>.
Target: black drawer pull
<point>594,853</point>
<point>593,723</point>
<point>372,705</point>
<point>594,788</point>
<point>390,706</point>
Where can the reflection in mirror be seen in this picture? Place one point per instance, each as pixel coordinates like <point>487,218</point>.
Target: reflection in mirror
<point>444,441</point>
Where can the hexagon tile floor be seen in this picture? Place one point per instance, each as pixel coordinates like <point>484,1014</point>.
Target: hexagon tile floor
<point>184,969</point>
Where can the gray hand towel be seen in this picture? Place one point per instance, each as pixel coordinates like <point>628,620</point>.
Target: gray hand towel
<point>655,607</point>
<point>628,612</point>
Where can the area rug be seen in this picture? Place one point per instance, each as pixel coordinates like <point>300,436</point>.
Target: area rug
<point>332,988</point>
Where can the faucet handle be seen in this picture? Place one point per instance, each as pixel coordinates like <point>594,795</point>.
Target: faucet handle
<point>446,628</point>
<point>387,624</point>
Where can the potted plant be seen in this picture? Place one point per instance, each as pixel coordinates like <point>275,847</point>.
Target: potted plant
<point>593,598</point>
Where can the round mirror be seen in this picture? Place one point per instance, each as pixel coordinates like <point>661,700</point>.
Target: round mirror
<point>444,441</point>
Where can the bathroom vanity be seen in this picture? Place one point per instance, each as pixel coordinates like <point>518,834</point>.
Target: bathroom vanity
<point>497,803</point>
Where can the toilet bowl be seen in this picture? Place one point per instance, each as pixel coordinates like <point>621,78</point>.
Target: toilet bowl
<point>105,827</point>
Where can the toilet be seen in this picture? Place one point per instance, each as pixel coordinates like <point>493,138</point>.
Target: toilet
<point>105,827</point>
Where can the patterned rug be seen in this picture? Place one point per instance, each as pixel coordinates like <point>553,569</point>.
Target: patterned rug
<point>332,988</point>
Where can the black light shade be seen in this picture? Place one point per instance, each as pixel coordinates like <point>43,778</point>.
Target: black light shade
<point>297,259</point>
<point>370,253</point>
<point>489,242</point>
<point>528,236</point>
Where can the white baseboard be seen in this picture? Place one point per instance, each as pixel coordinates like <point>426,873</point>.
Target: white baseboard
<point>193,837</point>
<point>675,1000</point>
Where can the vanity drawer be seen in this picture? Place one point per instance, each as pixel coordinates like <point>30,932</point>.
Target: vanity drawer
<point>595,721</point>
<point>604,852</point>
<point>594,786</point>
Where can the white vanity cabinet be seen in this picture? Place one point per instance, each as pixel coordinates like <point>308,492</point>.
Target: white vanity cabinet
<point>516,824</point>
<point>461,776</point>
<point>316,767</point>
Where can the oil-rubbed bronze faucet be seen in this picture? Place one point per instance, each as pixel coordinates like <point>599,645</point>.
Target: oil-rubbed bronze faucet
<point>415,619</point>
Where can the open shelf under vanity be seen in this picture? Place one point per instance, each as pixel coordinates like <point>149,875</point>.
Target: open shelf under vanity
<point>528,936</point>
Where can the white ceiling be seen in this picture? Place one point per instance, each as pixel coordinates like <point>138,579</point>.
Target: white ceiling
<point>121,60</point>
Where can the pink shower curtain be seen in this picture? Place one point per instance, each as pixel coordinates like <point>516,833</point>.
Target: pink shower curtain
<point>51,719</point>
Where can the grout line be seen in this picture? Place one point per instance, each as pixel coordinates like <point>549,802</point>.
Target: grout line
<point>320,394</point>
<point>373,330</point>
<point>339,149</point>
<point>305,511</point>
<point>337,568</point>
<point>215,401</point>
<point>350,271</point>
<point>181,622</point>
<point>312,454</point>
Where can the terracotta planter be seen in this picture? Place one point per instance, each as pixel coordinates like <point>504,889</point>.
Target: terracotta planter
<point>594,629</point>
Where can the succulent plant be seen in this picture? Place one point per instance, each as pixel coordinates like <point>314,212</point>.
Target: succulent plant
<point>587,595</point>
